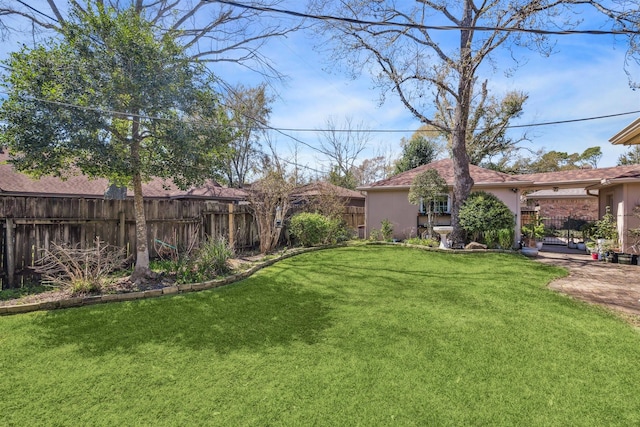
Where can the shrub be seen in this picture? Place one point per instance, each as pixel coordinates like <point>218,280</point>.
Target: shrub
<point>386,230</point>
<point>312,229</point>
<point>483,212</point>
<point>208,261</point>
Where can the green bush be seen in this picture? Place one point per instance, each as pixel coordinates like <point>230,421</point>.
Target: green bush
<point>312,229</point>
<point>208,261</point>
<point>483,213</point>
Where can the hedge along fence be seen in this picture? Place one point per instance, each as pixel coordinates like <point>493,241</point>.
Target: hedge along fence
<point>30,224</point>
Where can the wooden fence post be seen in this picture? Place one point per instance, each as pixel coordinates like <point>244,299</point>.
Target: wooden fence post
<point>10,252</point>
<point>232,227</point>
<point>122,229</point>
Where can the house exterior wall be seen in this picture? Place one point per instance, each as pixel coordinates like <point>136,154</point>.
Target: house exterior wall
<point>586,208</point>
<point>622,198</point>
<point>394,205</point>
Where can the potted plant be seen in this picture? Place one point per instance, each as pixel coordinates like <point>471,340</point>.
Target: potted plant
<point>605,231</point>
<point>534,232</point>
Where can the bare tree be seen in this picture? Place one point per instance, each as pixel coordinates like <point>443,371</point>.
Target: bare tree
<point>342,144</point>
<point>249,112</point>
<point>398,44</point>
<point>211,31</point>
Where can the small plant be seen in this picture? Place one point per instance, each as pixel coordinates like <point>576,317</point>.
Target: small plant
<point>208,261</point>
<point>375,235</point>
<point>386,230</point>
<point>606,228</point>
<point>506,238</point>
<point>80,270</point>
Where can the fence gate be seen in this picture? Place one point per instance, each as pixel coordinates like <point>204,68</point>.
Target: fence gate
<point>562,230</point>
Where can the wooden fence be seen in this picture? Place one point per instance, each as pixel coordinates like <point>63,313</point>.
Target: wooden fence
<point>31,224</point>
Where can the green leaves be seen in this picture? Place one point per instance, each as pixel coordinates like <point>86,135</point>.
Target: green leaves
<point>110,85</point>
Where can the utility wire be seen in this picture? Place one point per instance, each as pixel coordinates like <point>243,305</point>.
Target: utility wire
<point>37,11</point>
<point>421,26</point>
<point>282,130</point>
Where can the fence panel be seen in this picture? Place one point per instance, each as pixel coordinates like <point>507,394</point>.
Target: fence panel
<point>31,224</point>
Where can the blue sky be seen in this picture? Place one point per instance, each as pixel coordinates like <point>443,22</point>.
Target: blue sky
<point>584,79</point>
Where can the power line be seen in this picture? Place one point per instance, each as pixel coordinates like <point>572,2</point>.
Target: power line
<point>282,130</point>
<point>421,26</point>
<point>37,11</point>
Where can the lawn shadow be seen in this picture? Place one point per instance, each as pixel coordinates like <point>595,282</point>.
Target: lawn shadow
<point>250,315</point>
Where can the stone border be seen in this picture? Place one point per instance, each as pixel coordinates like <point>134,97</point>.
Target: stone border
<point>153,293</point>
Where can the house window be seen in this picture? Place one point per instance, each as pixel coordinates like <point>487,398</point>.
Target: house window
<point>441,205</point>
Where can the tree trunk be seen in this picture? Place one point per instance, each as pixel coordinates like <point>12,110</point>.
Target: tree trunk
<point>462,178</point>
<point>141,269</point>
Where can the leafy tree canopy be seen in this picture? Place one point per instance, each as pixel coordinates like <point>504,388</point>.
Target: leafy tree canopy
<point>427,186</point>
<point>631,157</point>
<point>113,99</point>
<point>422,148</point>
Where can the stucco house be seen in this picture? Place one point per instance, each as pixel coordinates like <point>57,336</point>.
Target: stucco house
<point>388,198</point>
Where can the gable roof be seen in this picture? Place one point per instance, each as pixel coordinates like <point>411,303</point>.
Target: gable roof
<point>13,182</point>
<point>482,177</point>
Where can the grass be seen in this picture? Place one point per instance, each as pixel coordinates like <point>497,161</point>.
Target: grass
<point>351,336</point>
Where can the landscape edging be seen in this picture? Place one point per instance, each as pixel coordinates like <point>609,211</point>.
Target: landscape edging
<point>154,293</point>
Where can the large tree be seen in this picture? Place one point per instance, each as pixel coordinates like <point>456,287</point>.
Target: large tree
<point>211,31</point>
<point>403,46</point>
<point>113,99</point>
<point>489,118</point>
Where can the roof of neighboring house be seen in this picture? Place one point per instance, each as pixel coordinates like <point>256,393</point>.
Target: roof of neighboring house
<point>580,177</point>
<point>13,182</point>
<point>562,193</point>
<point>481,177</point>
<point>320,187</point>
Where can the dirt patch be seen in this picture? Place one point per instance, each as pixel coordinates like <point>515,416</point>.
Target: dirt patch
<point>615,286</point>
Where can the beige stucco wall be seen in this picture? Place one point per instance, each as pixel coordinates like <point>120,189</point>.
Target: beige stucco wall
<point>625,197</point>
<point>394,205</point>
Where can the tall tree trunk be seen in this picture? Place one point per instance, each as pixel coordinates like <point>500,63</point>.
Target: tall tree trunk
<point>462,177</point>
<point>141,269</point>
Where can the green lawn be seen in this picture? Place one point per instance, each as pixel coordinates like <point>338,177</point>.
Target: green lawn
<point>366,335</point>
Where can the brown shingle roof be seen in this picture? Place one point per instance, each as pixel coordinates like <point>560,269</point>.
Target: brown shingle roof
<point>321,187</point>
<point>581,177</point>
<point>16,183</point>
<point>444,167</point>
